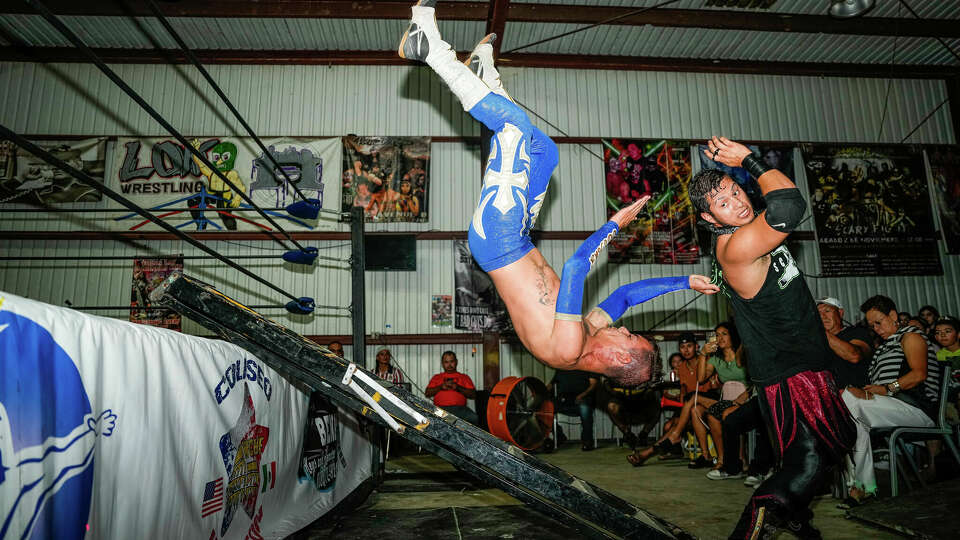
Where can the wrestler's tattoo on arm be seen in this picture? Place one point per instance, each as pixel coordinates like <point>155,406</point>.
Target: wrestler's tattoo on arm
<point>543,290</point>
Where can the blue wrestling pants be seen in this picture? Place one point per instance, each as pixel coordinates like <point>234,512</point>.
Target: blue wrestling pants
<point>522,159</point>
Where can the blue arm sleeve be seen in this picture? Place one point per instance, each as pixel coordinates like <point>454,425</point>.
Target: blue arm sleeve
<point>575,270</point>
<point>639,292</point>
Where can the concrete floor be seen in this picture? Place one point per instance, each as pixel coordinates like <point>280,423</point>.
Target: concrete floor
<point>706,508</point>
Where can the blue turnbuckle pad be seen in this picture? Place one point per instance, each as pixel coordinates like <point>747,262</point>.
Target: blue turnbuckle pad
<point>303,306</point>
<point>304,256</point>
<point>305,209</point>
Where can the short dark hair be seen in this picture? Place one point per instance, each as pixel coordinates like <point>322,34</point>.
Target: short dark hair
<point>451,353</point>
<point>881,303</point>
<point>643,367</point>
<point>949,321</point>
<point>702,184</point>
<point>930,308</point>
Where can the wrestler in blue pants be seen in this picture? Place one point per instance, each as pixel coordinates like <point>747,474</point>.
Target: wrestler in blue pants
<point>522,159</point>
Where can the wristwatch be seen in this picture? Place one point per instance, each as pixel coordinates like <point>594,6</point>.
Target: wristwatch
<point>893,388</point>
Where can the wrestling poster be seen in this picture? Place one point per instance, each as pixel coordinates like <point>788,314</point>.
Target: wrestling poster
<point>945,167</point>
<point>872,210</point>
<point>148,273</point>
<point>441,307</point>
<point>26,179</point>
<point>478,307</point>
<point>774,156</point>
<point>162,176</point>
<point>387,176</point>
<point>665,230</point>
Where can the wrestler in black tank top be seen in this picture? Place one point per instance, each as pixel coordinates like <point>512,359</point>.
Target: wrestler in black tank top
<point>780,326</point>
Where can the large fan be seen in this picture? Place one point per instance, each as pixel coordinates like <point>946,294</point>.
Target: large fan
<point>520,411</point>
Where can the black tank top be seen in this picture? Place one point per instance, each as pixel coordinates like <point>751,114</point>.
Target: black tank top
<point>780,326</point>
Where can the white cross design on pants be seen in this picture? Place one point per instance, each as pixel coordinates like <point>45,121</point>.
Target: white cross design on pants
<point>511,141</point>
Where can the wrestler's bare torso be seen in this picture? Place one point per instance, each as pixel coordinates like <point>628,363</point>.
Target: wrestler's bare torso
<point>529,288</point>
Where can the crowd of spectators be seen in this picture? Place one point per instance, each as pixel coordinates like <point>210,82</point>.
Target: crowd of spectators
<point>887,366</point>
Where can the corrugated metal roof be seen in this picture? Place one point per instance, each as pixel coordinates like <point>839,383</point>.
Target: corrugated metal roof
<point>229,33</point>
<point>382,35</point>
<point>940,9</point>
<point>655,41</point>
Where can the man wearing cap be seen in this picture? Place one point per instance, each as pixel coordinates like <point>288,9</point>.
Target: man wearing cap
<point>451,389</point>
<point>386,371</point>
<point>850,345</point>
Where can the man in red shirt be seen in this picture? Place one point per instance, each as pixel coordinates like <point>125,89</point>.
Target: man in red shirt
<point>451,389</point>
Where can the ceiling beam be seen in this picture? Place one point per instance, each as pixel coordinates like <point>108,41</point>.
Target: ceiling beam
<point>274,9</point>
<point>738,20</point>
<point>497,22</point>
<point>559,61</point>
<point>538,13</point>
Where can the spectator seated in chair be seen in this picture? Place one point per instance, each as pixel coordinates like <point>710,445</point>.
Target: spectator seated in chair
<point>629,406</point>
<point>694,391</point>
<point>726,362</point>
<point>903,389</point>
<point>451,389</point>
<point>575,391</point>
<point>947,334</point>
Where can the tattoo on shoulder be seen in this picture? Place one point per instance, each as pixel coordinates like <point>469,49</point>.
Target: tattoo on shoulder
<point>543,290</point>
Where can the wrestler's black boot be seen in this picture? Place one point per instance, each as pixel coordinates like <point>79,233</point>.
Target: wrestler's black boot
<point>414,45</point>
<point>802,526</point>
<point>422,42</point>
<point>758,522</point>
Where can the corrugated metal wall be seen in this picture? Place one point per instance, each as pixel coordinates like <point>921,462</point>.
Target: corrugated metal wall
<point>74,99</point>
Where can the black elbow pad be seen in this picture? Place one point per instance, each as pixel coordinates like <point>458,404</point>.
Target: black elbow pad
<point>785,209</point>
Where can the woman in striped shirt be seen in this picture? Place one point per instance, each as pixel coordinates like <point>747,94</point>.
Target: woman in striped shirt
<point>903,389</point>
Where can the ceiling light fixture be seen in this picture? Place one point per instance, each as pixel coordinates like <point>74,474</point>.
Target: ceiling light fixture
<point>845,9</point>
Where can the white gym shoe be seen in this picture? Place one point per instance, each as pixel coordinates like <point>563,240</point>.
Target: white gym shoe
<point>720,474</point>
<point>755,480</point>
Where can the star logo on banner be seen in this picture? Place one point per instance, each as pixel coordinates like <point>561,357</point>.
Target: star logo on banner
<point>241,448</point>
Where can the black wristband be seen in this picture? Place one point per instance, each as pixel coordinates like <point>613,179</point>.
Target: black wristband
<point>754,166</point>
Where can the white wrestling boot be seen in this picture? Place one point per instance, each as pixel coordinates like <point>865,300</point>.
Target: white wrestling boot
<point>481,63</point>
<point>422,42</point>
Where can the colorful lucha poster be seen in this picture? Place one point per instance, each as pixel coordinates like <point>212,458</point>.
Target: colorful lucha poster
<point>665,231</point>
<point>148,273</point>
<point>478,306</point>
<point>387,176</point>
<point>872,210</point>
<point>161,175</point>
<point>945,167</point>
<point>25,178</point>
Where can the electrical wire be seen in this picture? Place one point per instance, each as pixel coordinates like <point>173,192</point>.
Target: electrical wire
<point>554,126</point>
<point>96,60</point>
<point>893,59</point>
<point>189,53</point>
<point>942,103</point>
<point>674,314</point>
<point>594,25</point>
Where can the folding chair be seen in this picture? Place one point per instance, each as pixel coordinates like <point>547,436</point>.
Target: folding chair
<point>567,421</point>
<point>942,429</point>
